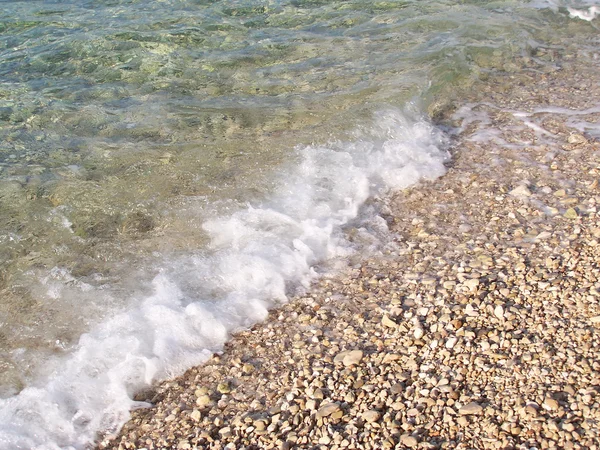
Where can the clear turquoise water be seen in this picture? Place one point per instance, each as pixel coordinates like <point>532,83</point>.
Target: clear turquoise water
<point>125,125</point>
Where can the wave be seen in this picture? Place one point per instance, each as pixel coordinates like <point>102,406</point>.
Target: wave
<point>256,258</point>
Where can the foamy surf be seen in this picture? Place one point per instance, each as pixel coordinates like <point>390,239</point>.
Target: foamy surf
<point>256,258</point>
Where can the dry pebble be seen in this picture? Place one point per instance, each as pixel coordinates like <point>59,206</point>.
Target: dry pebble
<point>478,328</point>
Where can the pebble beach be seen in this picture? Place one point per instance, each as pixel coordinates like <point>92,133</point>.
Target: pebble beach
<point>479,332</point>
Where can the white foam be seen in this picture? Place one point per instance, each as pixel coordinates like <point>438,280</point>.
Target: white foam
<point>257,256</point>
<point>589,14</point>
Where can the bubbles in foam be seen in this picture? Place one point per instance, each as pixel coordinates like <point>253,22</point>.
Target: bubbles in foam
<point>256,257</point>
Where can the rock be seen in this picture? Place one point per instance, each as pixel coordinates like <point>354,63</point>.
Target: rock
<point>571,214</point>
<point>451,342</point>
<point>196,415</point>
<point>409,441</point>
<point>418,333</point>
<point>224,388</point>
<point>470,409</point>
<point>520,191</point>
<point>387,322</point>
<point>328,409</point>
<point>543,235</point>
<point>499,312</point>
<point>371,416</point>
<point>550,404</point>
<point>225,432</point>
<point>349,357</point>
<point>203,400</point>
<point>577,139</point>
<point>471,311</point>
<point>595,319</point>
<point>471,283</point>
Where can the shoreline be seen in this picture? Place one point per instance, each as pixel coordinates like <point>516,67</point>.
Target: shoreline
<point>480,333</point>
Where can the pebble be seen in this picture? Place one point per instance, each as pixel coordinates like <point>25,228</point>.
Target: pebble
<point>349,357</point>
<point>520,191</point>
<point>409,441</point>
<point>550,404</point>
<point>371,415</point>
<point>328,409</point>
<point>470,409</point>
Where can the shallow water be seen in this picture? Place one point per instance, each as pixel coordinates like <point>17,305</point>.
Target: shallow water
<point>170,170</point>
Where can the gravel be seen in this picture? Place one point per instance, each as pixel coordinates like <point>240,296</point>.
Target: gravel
<point>478,329</point>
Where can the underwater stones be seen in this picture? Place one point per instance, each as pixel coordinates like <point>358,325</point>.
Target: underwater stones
<point>571,213</point>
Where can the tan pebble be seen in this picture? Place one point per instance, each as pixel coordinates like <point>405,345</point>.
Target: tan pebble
<point>409,441</point>
<point>576,139</point>
<point>451,342</point>
<point>550,404</point>
<point>225,432</point>
<point>224,388</point>
<point>371,415</point>
<point>595,319</point>
<point>520,191</point>
<point>387,322</point>
<point>324,440</point>
<point>462,421</point>
<point>471,408</point>
<point>328,409</point>
<point>499,312</point>
<point>471,283</point>
<point>349,357</point>
<point>568,427</point>
<point>203,400</point>
<point>571,214</point>
<point>196,415</point>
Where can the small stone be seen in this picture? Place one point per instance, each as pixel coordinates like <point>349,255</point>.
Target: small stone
<point>543,235</point>
<point>471,283</point>
<point>224,388</point>
<point>387,322</point>
<point>471,408</point>
<point>568,427</point>
<point>520,191</point>
<point>371,416</point>
<point>451,342</point>
<point>349,357</point>
<point>328,409</point>
<point>418,333</point>
<point>471,311</point>
<point>570,214</point>
<point>499,312</point>
<point>576,139</point>
<point>324,440</point>
<point>409,441</point>
<point>595,319</point>
<point>225,432</point>
<point>196,415</point>
<point>550,404</point>
<point>310,404</point>
<point>203,400</point>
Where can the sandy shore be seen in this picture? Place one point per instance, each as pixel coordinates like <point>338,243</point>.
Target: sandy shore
<point>480,332</point>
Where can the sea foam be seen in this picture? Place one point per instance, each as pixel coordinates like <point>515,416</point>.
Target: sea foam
<point>257,257</point>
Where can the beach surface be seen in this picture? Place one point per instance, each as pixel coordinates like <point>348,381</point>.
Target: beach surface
<point>480,332</point>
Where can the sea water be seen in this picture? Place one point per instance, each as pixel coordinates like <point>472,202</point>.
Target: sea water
<point>171,170</point>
